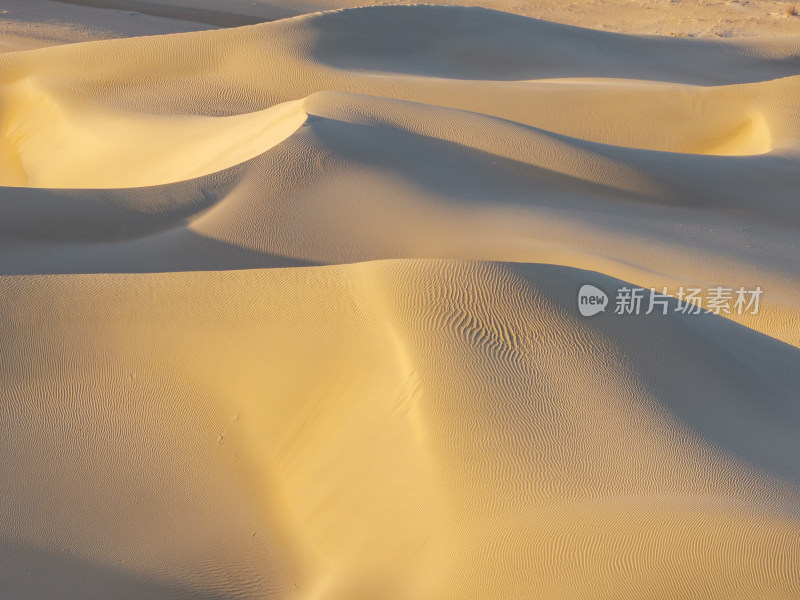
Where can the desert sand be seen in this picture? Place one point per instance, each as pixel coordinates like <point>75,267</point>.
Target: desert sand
<point>288,301</point>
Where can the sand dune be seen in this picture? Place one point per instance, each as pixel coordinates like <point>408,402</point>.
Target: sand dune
<point>29,24</point>
<point>422,406</point>
<point>289,311</point>
<point>36,23</point>
<point>47,145</point>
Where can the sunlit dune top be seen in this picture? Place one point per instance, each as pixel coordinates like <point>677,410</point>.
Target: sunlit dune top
<point>47,144</point>
<point>170,108</point>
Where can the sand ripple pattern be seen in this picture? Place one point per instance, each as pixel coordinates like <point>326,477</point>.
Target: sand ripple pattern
<point>288,311</point>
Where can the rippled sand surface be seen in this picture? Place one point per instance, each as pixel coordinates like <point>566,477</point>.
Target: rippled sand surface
<point>290,310</point>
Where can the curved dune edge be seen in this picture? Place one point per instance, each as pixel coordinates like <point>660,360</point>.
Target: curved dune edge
<point>47,144</point>
<point>71,120</point>
<point>419,412</point>
<point>372,178</point>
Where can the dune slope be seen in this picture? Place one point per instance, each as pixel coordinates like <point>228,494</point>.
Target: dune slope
<point>420,428</point>
<point>290,311</point>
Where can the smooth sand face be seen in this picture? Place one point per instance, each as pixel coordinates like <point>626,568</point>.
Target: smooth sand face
<point>290,310</point>
<point>48,144</point>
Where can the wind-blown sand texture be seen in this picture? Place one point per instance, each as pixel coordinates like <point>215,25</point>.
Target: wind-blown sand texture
<point>289,311</point>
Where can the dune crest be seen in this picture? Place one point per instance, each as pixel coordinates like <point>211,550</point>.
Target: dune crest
<point>289,311</point>
<point>48,144</point>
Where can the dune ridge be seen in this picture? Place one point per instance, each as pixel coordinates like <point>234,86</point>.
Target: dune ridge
<point>289,311</point>
<point>49,146</point>
<point>470,454</point>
